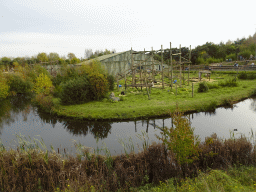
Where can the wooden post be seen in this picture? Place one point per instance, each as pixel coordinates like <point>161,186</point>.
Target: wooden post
<point>188,72</point>
<point>125,80</point>
<point>153,67</point>
<point>162,66</point>
<point>147,88</point>
<point>133,72</point>
<point>180,65</point>
<point>117,83</point>
<point>183,74</point>
<point>192,89</point>
<point>171,64</point>
<point>145,63</point>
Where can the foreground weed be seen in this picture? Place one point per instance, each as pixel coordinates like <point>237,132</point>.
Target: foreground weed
<point>181,140</point>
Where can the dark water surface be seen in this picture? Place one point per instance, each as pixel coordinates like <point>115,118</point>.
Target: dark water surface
<point>18,116</point>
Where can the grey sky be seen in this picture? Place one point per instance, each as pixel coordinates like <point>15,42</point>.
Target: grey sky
<point>32,26</point>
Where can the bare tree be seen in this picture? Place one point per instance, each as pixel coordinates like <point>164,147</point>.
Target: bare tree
<point>88,53</point>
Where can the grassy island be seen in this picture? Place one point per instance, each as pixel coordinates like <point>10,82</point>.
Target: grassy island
<point>136,103</point>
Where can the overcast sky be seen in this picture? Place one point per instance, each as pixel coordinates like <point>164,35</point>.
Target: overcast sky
<point>28,27</point>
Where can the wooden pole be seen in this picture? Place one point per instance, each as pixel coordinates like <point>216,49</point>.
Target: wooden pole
<point>192,89</point>
<point>147,88</point>
<point>171,64</point>
<point>153,75</point>
<point>183,74</point>
<point>188,72</point>
<point>180,65</point>
<point>145,63</point>
<point>162,66</point>
<point>125,80</point>
<point>117,82</point>
<point>176,89</point>
<point>189,53</point>
<point>133,72</point>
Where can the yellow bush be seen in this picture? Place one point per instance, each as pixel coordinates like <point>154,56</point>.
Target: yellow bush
<point>4,88</point>
<point>43,84</point>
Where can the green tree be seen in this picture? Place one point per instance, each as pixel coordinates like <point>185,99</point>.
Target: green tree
<point>75,60</point>
<point>53,57</point>
<point>42,57</point>
<point>43,84</point>
<point>71,56</point>
<point>181,140</point>
<point>4,87</point>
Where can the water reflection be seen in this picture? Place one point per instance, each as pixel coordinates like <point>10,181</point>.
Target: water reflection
<point>11,108</point>
<point>18,115</point>
<point>253,104</point>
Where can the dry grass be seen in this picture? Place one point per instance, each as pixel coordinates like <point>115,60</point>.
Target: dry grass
<point>30,169</point>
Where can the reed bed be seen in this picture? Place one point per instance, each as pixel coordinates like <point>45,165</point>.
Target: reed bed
<point>31,169</point>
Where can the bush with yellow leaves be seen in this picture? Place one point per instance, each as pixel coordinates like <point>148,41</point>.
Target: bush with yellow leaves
<point>43,85</point>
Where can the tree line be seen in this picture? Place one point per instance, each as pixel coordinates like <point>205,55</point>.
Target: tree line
<point>53,58</point>
<point>241,49</point>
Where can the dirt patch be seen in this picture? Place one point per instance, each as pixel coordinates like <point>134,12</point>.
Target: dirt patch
<point>203,79</point>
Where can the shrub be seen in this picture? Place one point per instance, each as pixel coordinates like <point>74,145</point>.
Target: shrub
<point>66,74</point>
<point>231,56</point>
<point>44,102</point>
<point>75,91</point>
<point>200,60</point>
<point>228,83</point>
<point>18,84</point>
<point>212,85</point>
<point>43,85</point>
<point>251,76</point>
<point>111,82</point>
<point>203,87</point>
<point>98,86</point>
<point>97,78</point>
<point>242,75</point>
<point>4,88</point>
<point>245,53</point>
<point>181,140</point>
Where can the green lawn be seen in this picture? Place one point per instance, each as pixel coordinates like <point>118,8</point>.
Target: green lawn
<point>136,104</point>
<point>234,179</point>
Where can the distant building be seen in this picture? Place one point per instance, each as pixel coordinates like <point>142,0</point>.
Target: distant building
<point>119,62</point>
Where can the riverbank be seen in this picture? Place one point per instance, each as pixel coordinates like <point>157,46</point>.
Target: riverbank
<point>152,169</point>
<point>136,104</point>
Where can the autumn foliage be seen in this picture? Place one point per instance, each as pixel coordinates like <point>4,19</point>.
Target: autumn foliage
<point>90,83</point>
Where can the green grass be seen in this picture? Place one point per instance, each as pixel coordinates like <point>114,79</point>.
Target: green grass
<point>234,179</point>
<point>135,104</point>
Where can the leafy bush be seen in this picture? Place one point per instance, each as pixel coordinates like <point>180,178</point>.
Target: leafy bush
<point>44,102</point>
<point>98,86</point>
<point>213,60</point>
<point>228,83</point>
<point>75,91</point>
<point>203,87</point>
<point>97,78</point>
<point>18,84</point>
<point>212,85</point>
<point>66,74</point>
<point>4,88</point>
<point>43,85</point>
<point>181,140</point>
<point>245,54</point>
<point>251,76</point>
<point>242,75</point>
<point>111,82</point>
<point>200,60</point>
<point>231,56</point>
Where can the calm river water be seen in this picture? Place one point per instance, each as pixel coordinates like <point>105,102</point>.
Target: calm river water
<point>18,116</point>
